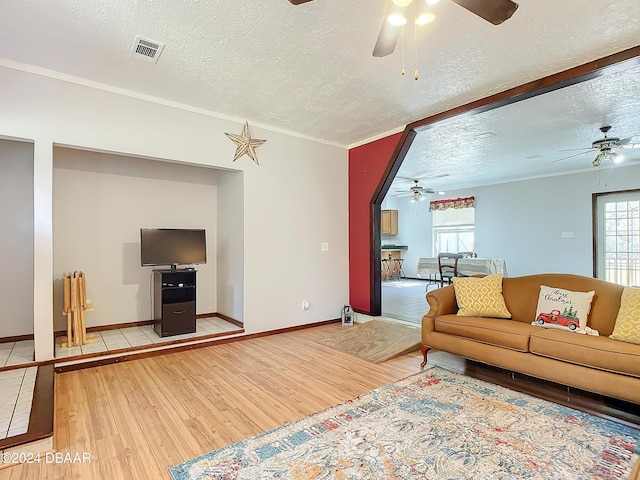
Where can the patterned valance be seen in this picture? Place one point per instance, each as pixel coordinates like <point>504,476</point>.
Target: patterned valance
<point>452,203</point>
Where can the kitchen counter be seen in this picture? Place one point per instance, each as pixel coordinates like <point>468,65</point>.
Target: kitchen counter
<point>391,256</point>
<point>394,247</point>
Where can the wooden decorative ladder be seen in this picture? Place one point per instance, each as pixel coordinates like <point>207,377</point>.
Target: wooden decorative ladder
<point>75,304</point>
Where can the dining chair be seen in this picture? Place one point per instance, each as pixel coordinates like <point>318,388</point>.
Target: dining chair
<point>447,266</point>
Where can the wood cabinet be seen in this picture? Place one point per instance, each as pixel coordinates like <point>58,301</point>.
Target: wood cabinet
<point>389,222</point>
<point>174,293</point>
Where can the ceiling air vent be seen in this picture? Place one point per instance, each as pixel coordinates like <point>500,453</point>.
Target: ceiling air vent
<point>484,135</point>
<point>146,50</point>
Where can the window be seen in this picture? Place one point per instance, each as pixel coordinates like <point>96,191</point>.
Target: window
<point>617,237</point>
<point>453,230</point>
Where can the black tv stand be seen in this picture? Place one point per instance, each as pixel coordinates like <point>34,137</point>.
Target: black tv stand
<point>174,301</point>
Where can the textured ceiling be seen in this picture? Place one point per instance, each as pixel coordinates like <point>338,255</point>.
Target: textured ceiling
<point>530,138</point>
<point>308,69</point>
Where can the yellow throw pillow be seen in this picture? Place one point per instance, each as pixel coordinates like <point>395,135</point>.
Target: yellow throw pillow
<point>627,327</point>
<point>480,297</point>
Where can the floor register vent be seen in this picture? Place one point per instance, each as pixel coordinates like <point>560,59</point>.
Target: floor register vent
<point>146,50</point>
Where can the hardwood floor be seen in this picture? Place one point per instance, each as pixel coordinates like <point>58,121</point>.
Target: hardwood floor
<point>137,418</point>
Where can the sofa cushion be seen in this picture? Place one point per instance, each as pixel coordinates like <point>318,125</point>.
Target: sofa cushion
<point>480,297</point>
<point>591,351</point>
<point>627,327</point>
<point>563,309</point>
<point>494,331</point>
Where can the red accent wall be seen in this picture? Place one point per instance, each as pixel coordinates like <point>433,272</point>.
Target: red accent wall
<point>367,164</point>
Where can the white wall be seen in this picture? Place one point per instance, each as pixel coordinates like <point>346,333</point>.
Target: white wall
<point>230,244</point>
<point>522,221</point>
<point>100,202</point>
<point>16,238</point>
<point>294,200</point>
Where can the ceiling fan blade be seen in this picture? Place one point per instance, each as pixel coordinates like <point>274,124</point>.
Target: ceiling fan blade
<point>587,149</point>
<point>571,156</point>
<point>299,2</point>
<point>387,39</point>
<point>629,142</point>
<point>494,11</point>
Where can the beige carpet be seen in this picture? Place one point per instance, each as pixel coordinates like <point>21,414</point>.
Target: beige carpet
<point>376,340</point>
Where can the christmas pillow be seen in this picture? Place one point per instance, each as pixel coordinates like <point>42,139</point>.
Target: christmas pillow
<point>563,309</point>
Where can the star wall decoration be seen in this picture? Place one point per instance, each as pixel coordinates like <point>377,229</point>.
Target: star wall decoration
<point>245,144</point>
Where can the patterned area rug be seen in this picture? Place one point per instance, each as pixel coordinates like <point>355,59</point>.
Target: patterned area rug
<point>376,340</point>
<point>432,425</point>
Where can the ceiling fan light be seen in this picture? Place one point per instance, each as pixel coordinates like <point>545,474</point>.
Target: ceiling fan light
<point>417,197</point>
<point>401,3</point>
<point>598,160</point>
<point>424,18</point>
<point>397,19</point>
<point>606,154</point>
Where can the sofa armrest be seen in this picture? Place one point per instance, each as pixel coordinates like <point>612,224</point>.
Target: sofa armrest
<point>442,301</point>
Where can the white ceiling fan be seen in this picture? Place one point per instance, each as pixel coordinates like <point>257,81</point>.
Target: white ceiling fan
<point>416,192</point>
<point>607,148</point>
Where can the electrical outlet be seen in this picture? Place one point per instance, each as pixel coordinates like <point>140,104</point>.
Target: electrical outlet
<point>305,305</point>
<point>566,234</point>
<point>324,247</point>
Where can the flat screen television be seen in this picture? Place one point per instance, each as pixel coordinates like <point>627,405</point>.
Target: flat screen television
<point>172,246</point>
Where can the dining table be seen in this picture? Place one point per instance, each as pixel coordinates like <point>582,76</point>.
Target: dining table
<point>428,266</point>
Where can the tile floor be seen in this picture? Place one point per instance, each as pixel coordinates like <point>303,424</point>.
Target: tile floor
<point>139,336</point>
<point>405,300</point>
<point>16,353</point>
<point>16,396</point>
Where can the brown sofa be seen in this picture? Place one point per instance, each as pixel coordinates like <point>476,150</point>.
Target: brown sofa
<point>593,363</point>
